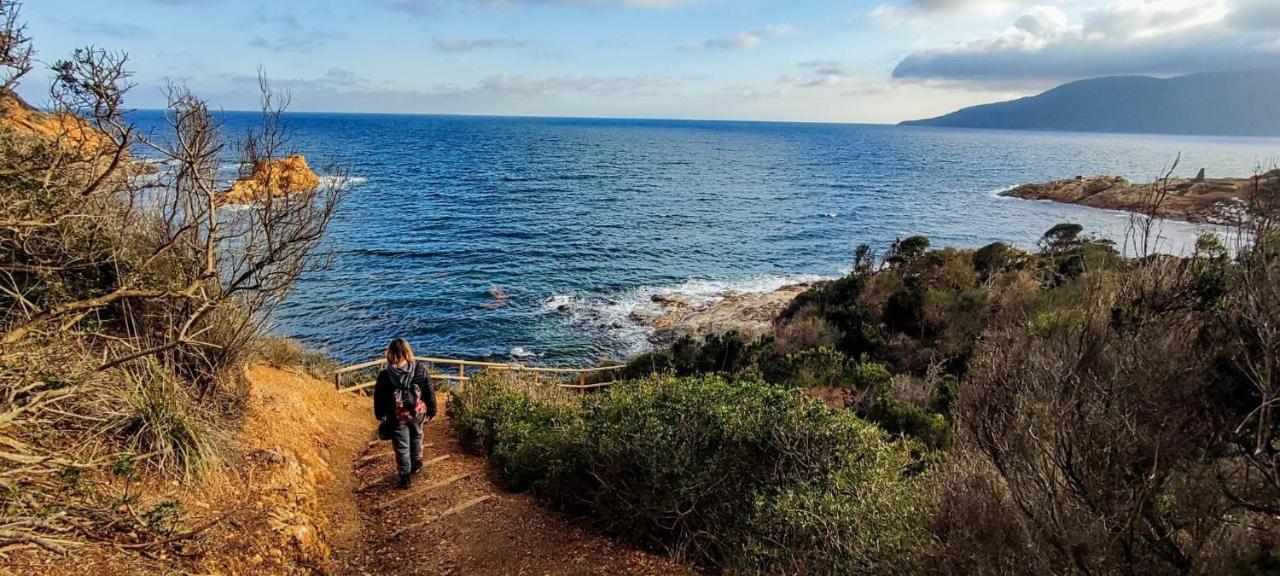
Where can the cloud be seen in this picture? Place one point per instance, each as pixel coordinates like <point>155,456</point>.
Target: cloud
<point>476,44</point>
<point>829,75</point>
<point>334,79</point>
<point>1256,15</point>
<point>1159,37</point>
<point>739,40</point>
<point>111,29</point>
<point>283,32</point>
<point>426,7</point>
<point>527,85</point>
<point>913,9</point>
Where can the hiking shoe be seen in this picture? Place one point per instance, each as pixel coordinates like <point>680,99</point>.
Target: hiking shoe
<point>405,479</point>
<point>417,467</point>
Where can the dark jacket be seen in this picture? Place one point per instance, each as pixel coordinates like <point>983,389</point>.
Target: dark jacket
<point>384,392</point>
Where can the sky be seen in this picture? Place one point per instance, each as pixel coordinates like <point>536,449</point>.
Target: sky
<point>872,61</point>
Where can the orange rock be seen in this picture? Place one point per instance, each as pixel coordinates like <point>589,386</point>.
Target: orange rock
<point>69,132</point>
<point>275,178</point>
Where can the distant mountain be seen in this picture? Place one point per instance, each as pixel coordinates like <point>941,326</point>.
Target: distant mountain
<point>1226,103</point>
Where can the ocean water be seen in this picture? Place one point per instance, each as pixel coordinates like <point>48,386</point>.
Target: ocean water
<point>580,222</point>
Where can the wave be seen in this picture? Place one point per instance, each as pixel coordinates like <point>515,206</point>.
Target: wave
<point>521,354</point>
<point>620,315</point>
<point>328,181</point>
<point>999,192</point>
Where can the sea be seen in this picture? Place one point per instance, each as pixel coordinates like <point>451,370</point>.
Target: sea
<point>579,223</point>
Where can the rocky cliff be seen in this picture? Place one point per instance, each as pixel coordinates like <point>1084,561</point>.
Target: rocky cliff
<point>274,178</point>
<point>749,313</point>
<point>1199,200</point>
<point>65,130</point>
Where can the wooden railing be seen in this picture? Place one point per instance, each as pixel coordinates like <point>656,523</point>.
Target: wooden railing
<point>460,370</point>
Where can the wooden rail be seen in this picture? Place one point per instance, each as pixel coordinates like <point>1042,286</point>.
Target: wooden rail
<point>575,378</point>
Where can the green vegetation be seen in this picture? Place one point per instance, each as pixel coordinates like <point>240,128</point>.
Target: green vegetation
<point>1069,410</point>
<point>735,474</point>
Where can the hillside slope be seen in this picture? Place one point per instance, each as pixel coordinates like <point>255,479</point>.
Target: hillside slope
<point>1222,103</point>
<point>310,491</point>
<point>455,520</point>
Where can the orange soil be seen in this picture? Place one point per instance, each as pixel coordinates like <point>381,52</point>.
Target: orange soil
<point>307,489</point>
<point>506,534</point>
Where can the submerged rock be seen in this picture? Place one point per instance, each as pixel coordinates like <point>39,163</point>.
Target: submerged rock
<point>273,178</point>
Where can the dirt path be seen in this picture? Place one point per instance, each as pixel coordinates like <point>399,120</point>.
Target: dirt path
<point>455,520</point>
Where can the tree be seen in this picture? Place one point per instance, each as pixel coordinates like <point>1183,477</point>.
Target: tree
<point>113,284</point>
<point>907,249</point>
<point>1061,237</point>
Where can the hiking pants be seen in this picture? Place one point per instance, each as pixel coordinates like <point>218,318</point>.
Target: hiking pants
<point>407,441</point>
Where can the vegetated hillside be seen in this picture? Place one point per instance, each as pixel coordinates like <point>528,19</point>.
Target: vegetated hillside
<point>1222,103</point>
<point>1067,410</point>
<point>131,306</point>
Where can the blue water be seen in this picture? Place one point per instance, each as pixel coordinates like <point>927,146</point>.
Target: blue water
<point>580,221</point>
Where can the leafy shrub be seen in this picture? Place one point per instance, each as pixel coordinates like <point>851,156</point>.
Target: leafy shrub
<point>737,475</point>
<point>905,250</point>
<point>899,417</point>
<point>817,367</point>
<point>994,257</point>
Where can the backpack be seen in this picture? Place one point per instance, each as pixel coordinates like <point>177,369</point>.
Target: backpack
<point>409,403</point>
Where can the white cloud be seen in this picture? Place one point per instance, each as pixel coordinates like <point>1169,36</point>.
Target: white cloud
<point>476,44</point>
<point>1160,37</point>
<point>829,76</point>
<point>739,40</point>
<point>914,9</point>
<point>1256,15</point>
<point>424,7</point>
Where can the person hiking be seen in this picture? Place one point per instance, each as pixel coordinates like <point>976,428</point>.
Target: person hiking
<point>403,400</point>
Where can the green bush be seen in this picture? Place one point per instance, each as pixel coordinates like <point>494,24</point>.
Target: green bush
<point>741,475</point>
<point>818,368</point>
<point>901,418</point>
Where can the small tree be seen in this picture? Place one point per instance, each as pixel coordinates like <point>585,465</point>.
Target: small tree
<point>1061,237</point>
<point>907,249</point>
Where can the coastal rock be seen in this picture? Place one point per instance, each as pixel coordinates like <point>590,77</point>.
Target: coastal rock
<point>1199,200</point>
<point>671,300</point>
<point>750,314</point>
<point>274,178</point>
<point>67,131</point>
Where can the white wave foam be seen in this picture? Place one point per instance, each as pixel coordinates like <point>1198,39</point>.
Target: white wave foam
<point>620,315</point>
<point>999,192</point>
<point>519,353</point>
<point>327,181</point>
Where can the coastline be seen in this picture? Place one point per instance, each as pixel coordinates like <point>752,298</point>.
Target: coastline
<point>751,314</point>
<point>1200,200</point>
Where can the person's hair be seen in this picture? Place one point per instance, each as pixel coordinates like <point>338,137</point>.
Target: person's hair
<point>399,350</point>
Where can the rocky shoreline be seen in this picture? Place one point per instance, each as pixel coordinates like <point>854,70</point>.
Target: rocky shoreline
<point>749,313</point>
<point>1198,200</point>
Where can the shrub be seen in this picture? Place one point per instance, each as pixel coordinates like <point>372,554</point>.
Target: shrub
<point>907,249</point>
<point>737,475</point>
<point>900,417</point>
<point>804,332</point>
<point>289,353</point>
<point>1061,236</point>
<point>817,368</point>
<point>151,414</point>
<point>994,257</point>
